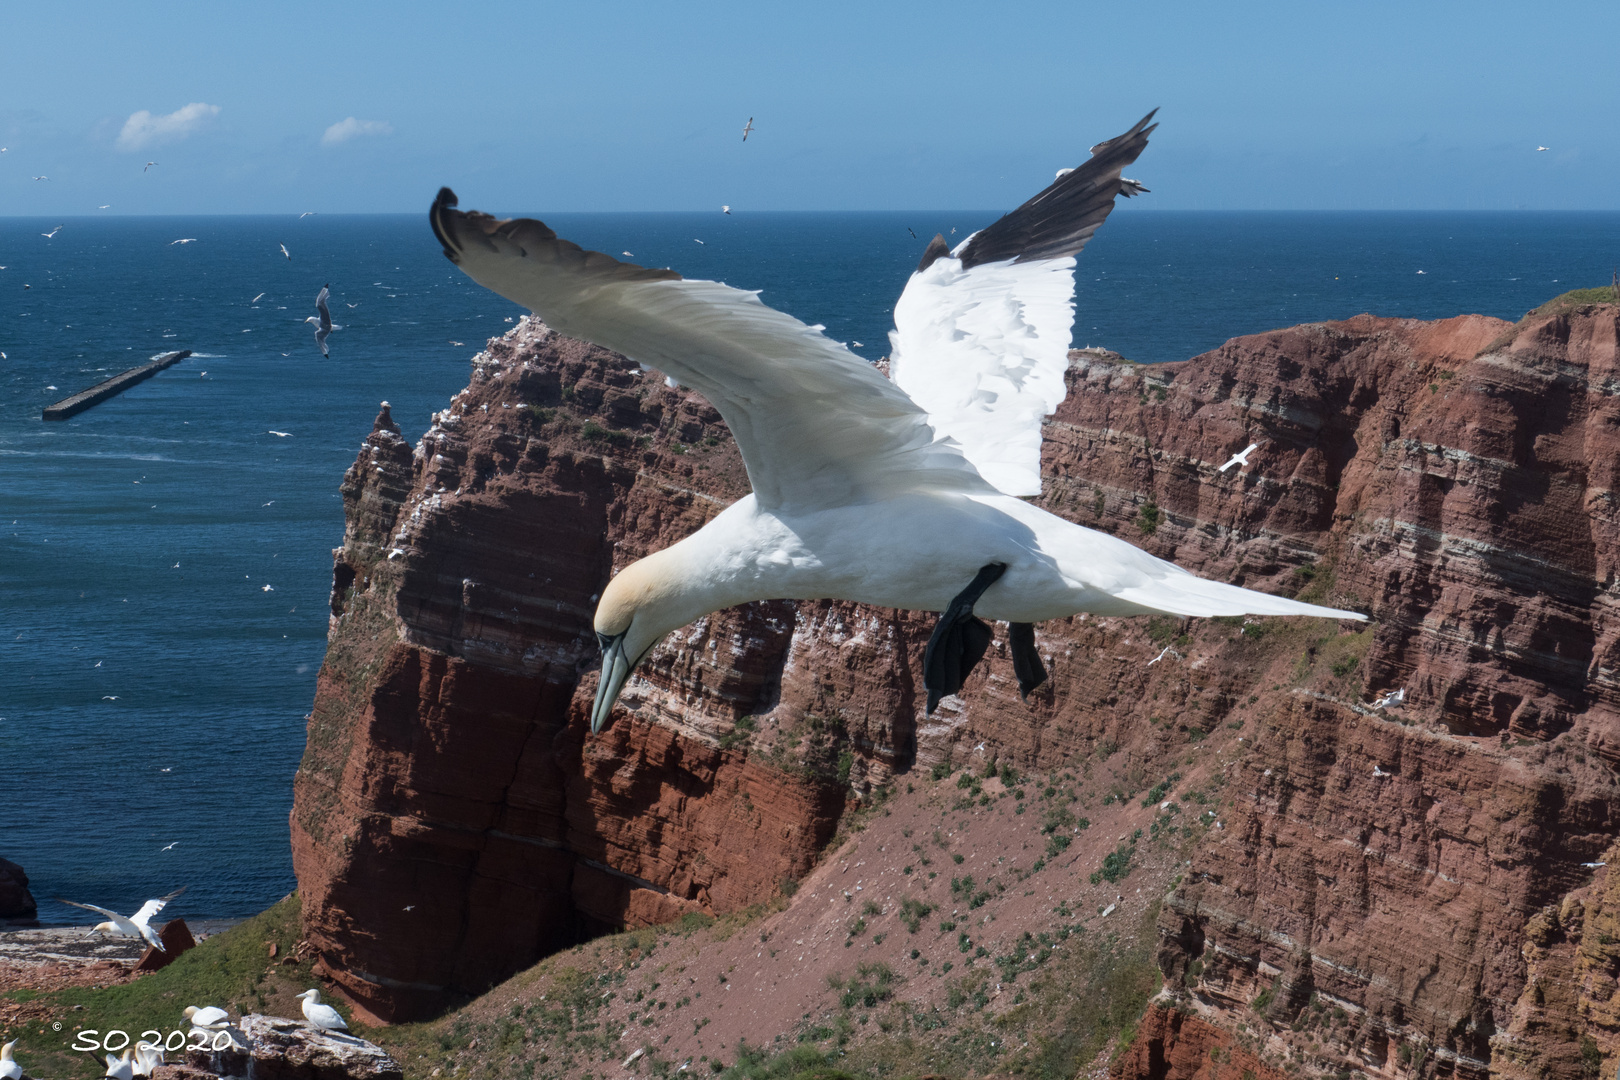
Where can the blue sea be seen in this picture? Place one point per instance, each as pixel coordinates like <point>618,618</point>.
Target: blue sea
<point>165,560</point>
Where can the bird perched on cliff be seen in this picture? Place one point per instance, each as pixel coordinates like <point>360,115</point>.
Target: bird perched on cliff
<point>322,318</point>
<point>901,492</point>
<point>148,1056</point>
<point>322,1016</point>
<point>136,925</point>
<point>209,1017</point>
<point>9,1069</point>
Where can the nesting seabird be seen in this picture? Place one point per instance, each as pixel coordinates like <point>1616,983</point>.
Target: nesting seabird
<point>136,925</point>
<point>148,1056</point>
<point>1241,458</point>
<point>323,319</point>
<point>121,1068</point>
<point>211,1017</point>
<point>9,1069</point>
<point>902,493</point>
<point>322,1016</point>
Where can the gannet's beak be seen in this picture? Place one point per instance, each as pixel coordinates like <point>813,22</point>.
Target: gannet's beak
<point>616,668</point>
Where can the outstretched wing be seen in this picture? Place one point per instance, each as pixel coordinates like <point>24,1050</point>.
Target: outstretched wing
<point>152,907</point>
<point>817,425</point>
<point>325,312</point>
<point>89,907</point>
<point>982,333</point>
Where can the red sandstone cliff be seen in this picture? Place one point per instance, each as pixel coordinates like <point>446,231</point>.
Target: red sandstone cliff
<point>1454,479</point>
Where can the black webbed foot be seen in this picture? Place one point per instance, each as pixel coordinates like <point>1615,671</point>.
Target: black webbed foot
<point>1026,660</point>
<point>959,640</point>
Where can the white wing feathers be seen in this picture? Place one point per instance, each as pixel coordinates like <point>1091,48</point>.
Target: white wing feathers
<point>982,333</point>
<point>983,351</point>
<point>816,424</point>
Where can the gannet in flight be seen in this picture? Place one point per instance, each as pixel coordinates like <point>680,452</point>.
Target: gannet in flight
<point>149,164</point>
<point>902,493</point>
<point>1539,149</point>
<point>285,252</point>
<point>322,1016</point>
<point>748,127</point>
<point>187,240</point>
<point>52,234</point>
<point>136,925</point>
<point>323,320</point>
<point>1241,458</point>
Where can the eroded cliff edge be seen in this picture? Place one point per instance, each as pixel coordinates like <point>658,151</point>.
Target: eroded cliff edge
<point>1454,479</point>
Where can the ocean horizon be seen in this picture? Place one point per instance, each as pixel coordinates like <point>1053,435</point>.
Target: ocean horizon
<point>165,557</point>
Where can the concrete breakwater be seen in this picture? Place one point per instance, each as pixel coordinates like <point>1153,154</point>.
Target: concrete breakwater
<point>71,406</point>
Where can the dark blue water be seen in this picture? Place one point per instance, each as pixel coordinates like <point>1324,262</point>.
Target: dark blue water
<point>153,690</point>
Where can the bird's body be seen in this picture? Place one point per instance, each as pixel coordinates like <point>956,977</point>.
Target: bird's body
<point>122,1067</point>
<point>148,1056</point>
<point>322,1016</point>
<point>9,1069</point>
<point>211,1017</point>
<point>287,254</point>
<point>136,925</point>
<point>901,492</point>
<point>1241,458</point>
<point>322,319</point>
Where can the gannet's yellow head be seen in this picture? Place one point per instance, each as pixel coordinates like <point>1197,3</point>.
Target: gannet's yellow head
<point>646,601</point>
<point>104,928</point>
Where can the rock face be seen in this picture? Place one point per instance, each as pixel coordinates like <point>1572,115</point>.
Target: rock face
<point>1384,869</point>
<point>280,1049</point>
<point>176,938</point>
<point>16,902</point>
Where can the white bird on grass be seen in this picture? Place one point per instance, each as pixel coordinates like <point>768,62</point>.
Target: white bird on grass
<point>1241,458</point>
<point>902,493</point>
<point>209,1017</point>
<point>136,925</point>
<point>121,1068</point>
<point>322,1016</point>
<point>9,1069</point>
<point>323,319</point>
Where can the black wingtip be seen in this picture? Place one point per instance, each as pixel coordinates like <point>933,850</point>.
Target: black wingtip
<point>937,249</point>
<point>445,201</point>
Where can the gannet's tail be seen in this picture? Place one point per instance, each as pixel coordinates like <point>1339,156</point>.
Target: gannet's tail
<point>1181,593</point>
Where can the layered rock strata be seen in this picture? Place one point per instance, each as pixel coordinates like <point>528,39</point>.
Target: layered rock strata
<point>1376,872</point>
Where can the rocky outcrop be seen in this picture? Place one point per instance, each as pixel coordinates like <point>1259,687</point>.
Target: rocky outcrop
<point>176,938</point>
<point>1173,1045</point>
<point>16,902</point>
<point>273,1048</point>
<point>1368,895</point>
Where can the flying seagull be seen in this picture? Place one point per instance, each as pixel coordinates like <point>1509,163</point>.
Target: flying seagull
<point>1241,458</point>
<point>306,213</point>
<point>323,321</point>
<point>41,178</point>
<point>149,164</point>
<point>105,206</point>
<point>187,240</point>
<point>285,252</point>
<point>322,1016</point>
<point>136,925</point>
<point>52,234</point>
<point>1539,149</point>
<point>282,434</point>
<point>725,209</point>
<point>256,299</point>
<point>844,462</point>
<point>748,127</point>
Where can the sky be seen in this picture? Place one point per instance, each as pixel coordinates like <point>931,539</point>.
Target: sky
<point>613,106</point>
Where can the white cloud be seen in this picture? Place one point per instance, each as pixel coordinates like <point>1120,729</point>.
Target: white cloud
<point>142,129</point>
<point>344,130</point>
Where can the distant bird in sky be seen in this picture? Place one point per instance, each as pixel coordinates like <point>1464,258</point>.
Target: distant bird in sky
<point>350,306</point>
<point>149,164</point>
<point>458,343</point>
<point>9,1069</point>
<point>186,240</point>
<point>323,319</point>
<point>1423,271</point>
<point>725,209</point>
<point>1241,458</point>
<point>268,588</point>
<point>169,847</point>
<point>52,233</point>
<point>305,214</point>
<point>748,127</point>
<point>695,240</point>
<point>136,925</point>
<point>901,492</point>
<point>1539,149</point>
<point>322,1016</point>
<point>109,697</point>
<point>256,299</point>
<point>913,235</point>
<point>105,206</point>
<point>41,178</point>
<point>98,662</point>
<point>283,434</point>
<point>285,252</point>
<point>627,254</point>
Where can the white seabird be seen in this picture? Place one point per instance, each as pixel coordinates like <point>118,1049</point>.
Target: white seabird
<point>52,234</point>
<point>1240,459</point>
<point>902,493</point>
<point>285,252</point>
<point>148,1056</point>
<point>136,925</point>
<point>209,1017</point>
<point>748,127</point>
<point>149,164</point>
<point>121,1068</point>
<point>322,1016</point>
<point>323,320</point>
<point>9,1069</point>
<point>1393,699</point>
<point>187,240</point>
